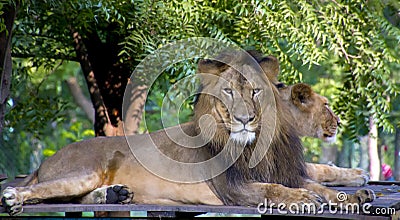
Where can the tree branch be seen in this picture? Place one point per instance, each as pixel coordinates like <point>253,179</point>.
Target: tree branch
<point>80,99</point>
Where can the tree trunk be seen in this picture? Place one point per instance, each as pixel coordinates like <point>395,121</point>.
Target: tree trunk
<point>364,155</point>
<point>80,98</point>
<point>101,120</point>
<point>133,107</point>
<point>374,165</point>
<point>344,157</point>
<point>8,16</point>
<point>111,75</point>
<point>107,79</point>
<point>397,154</point>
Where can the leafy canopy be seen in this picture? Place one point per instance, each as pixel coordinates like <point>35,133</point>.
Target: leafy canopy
<point>351,42</point>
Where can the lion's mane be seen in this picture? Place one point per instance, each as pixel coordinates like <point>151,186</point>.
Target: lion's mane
<point>283,163</point>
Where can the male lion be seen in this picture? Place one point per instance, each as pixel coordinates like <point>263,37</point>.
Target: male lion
<point>103,170</point>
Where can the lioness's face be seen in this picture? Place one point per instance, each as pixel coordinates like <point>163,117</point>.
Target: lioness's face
<point>314,117</point>
<point>240,94</point>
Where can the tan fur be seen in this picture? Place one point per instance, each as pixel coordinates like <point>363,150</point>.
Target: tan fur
<point>313,118</point>
<point>79,168</point>
<point>330,175</point>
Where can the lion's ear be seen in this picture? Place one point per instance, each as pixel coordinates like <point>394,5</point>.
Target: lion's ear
<point>270,65</point>
<point>302,96</point>
<point>211,66</point>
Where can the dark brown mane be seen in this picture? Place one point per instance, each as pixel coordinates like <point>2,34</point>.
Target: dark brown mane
<point>283,163</point>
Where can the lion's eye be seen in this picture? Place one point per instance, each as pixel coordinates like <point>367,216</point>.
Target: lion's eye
<point>256,92</point>
<point>228,91</point>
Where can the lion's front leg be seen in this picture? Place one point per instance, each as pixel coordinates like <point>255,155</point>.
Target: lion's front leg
<point>333,196</point>
<point>14,197</point>
<point>330,175</point>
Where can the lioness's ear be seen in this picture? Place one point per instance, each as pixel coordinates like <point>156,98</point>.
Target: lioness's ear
<point>302,96</point>
<point>270,65</point>
<point>211,66</point>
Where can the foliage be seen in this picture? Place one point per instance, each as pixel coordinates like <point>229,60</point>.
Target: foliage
<point>350,41</point>
<point>2,25</point>
<point>41,118</point>
<point>167,94</point>
<point>313,149</point>
<point>352,37</point>
<point>351,47</point>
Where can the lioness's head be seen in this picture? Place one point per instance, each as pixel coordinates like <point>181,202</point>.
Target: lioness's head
<point>239,88</point>
<point>311,111</point>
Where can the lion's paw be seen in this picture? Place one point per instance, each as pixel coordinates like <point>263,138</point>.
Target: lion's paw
<point>361,196</point>
<point>349,177</point>
<point>12,201</point>
<point>114,194</point>
<point>118,194</point>
<point>303,199</point>
<point>364,196</point>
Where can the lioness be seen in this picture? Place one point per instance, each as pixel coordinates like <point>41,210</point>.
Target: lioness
<point>313,118</point>
<point>92,170</point>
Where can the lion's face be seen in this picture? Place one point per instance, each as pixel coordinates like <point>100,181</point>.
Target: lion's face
<point>311,111</point>
<point>237,94</point>
<point>238,105</point>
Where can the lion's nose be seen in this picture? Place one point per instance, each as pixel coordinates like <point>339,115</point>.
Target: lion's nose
<point>244,118</point>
